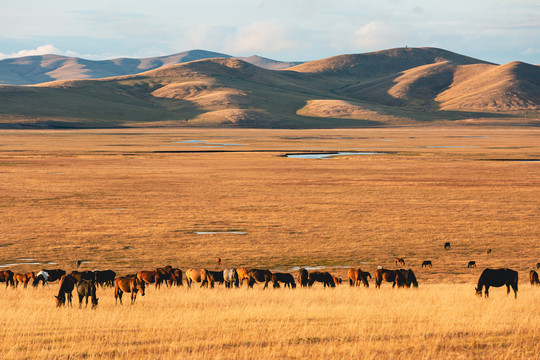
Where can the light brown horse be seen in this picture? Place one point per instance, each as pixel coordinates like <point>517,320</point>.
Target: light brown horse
<point>67,285</point>
<point>130,285</point>
<point>399,261</point>
<point>199,275</point>
<point>533,277</point>
<point>242,274</point>
<point>176,277</point>
<point>393,276</point>
<point>357,276</point>
<point>303,277</point>
<point>23,278</point>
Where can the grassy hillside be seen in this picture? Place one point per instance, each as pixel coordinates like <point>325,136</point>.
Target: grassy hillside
<point>392,87</point>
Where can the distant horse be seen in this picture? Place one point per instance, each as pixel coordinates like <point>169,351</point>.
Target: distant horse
<point>357,276</point>
<point>533,277</point>
<point>23,278</point>
<point>303,277</point>
<point>218,260</point>
<point>497,278</point>
<point>471,264</point>
<point>104,277</point>
<point>393,276</point>
<point>324,277</point>
<point>242,275</point>
<point>130,285</point>
<point>83,275</point>
<point>447,245</point>
<point>284,278</point>
<point>538,265</point>
<point>409,277</point>
<point>259,276</point>
<point>488,251</point>
<point>230,276</point>
<point>199,275</point>
<point>67,284</point>
<point>427,263</point>
<point>399,261</point>
<point>87,289</point>
<point>7,277</point>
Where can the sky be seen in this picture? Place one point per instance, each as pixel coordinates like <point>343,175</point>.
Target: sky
<point>498,31</point>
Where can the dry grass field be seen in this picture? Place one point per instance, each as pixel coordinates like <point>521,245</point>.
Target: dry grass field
<point>130,199</point>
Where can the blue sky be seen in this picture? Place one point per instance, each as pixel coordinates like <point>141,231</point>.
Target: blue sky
<point>496,31</point>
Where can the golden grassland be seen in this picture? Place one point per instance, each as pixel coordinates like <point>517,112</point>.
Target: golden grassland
<point>131,199</point>
<point>434,321</point>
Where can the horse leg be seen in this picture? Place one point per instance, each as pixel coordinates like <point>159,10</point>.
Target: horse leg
<point>487,291</point>
<point>80,300</point>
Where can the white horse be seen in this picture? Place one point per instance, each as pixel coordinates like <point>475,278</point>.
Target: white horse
<point>42,276</point>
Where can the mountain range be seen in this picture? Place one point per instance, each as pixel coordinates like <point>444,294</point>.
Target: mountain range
<point>199,88</point>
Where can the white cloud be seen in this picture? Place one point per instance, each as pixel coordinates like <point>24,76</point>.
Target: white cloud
<point>40,50</point>
<point>261,37</point>
<point>377,35</point>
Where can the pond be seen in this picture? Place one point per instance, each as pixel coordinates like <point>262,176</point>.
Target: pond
<point>329,155</point>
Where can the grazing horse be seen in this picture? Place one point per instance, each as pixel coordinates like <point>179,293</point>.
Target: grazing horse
<point>104,277</point>
<point>409,277</point>
<point>83,275</point>
<point>337,281</point>
<point>150,277</point>
<point>86,289</point>
<point>164,275</point>
<point>427,263</point>
<point>176,277</point>
<point>393,276</point>
<point>259,276</point>
<point>67,284</point>
<point>447,245</point>
<point>284,278</point>
<point>230,276</point>
<point>48,275</point>
<point>399,261</point>
<point>218,260</point>
<point>538,265</point>
<point>324,277</point>
<point>7,277</point>
<point>471,264</point>
<point>199,275</point>
<point>357,276</point>
<point>533,277</point>
<point>130,285</point>
<point>242,275</point>
<point>497,278</point>
<point>488,251</point>
<point>303,277</point>
<point>23,278</point>
<point>217,276</point>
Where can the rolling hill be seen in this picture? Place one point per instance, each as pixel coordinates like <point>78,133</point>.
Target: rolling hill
<point>389,87</point>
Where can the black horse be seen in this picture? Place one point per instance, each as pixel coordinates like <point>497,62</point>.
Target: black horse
<point>86,289</point>
<point>497,278</point>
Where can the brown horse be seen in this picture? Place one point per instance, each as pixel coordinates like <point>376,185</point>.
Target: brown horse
<point>284,278</point>
<point>533,277</point>
<point>259,276</point>
<point>488,251</point>
<point>23,278</point>
<point>409,278</point>
<point>7,277</point>
<point>217,276</point>
<point>303,277</point>
<point>199,275</point>
<point>242,274</point>
<point>427,263</point>
<point>399,261</point>
<point>130,285</point>
<point>497,278</point>
<point>357,276</point>
<point>393,276</point>
<point>324,277</point>
<point>67,284</point>
<point>176,277</point>
<point>151,277</point>
<point>471,264</point>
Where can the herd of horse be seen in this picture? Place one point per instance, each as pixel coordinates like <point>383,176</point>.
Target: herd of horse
<point>87,282</point>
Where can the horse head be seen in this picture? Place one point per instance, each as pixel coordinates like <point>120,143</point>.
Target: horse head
<point>478,291</point>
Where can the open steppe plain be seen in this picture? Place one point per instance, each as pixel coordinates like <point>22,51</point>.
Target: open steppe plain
<point>131,199</point>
